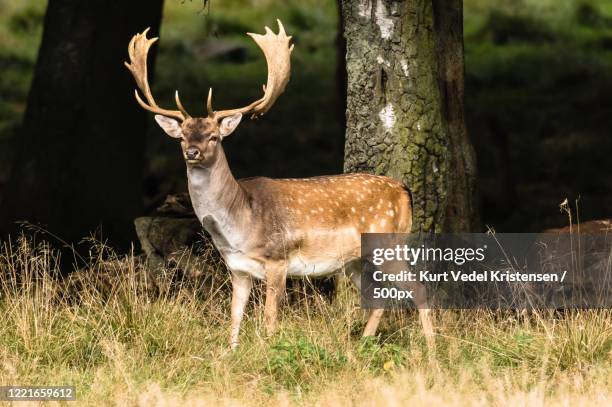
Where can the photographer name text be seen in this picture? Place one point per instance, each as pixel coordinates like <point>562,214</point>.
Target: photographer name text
<point>507,276</point>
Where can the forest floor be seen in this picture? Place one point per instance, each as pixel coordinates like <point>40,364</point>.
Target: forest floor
<point>538,92</point>
<point>123,337</point>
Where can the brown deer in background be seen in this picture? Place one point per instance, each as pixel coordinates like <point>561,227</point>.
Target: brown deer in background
<point>273,229</point>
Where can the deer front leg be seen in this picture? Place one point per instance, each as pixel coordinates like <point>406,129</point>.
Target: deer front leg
<point>276,280</point>
<point>241,289</point>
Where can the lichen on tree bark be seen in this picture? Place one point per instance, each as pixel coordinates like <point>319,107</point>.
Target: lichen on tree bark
<point>395,113</point>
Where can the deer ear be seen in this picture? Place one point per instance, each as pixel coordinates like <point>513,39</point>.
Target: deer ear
<point>229,124</point>
<point>170,126</point>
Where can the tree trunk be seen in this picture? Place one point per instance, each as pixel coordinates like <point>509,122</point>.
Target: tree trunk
<point>405,116</point>
<point>341,79</point>
<point>462,204</point>
<point>80,160</point>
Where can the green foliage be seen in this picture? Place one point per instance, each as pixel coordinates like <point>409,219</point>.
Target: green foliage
<point>380,357</point>
<point>295,362</point>
<point>538,86</point>
<point>589,15</point>
<point>502,28</point>
<point>515,349</point>
<point>26,21</point>
<point>538,80</point>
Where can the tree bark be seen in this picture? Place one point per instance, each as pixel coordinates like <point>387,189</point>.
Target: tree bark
<point>462,204</point>
<point>80,160</point>
<point>405,105</point>
<point>341,79</point>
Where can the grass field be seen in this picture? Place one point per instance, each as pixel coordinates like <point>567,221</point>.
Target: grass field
<point>123,337</point>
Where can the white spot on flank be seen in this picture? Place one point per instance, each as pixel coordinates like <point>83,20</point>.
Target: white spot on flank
<point>387,117</point>
<point>382,19</point>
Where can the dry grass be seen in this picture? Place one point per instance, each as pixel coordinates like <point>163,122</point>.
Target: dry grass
<point>163,341</point>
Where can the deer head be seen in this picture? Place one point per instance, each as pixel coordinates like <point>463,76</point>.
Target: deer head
<point>201,136</point>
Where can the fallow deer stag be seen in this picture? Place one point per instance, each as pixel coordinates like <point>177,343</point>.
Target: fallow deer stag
<point>272,229</point>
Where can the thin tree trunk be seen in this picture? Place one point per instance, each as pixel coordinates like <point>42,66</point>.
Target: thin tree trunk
<point>462,204</point>
<point>405,106</point>
<point>79,165</point>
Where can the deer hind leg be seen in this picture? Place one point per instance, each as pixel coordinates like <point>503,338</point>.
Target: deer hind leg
<point>276,281</point>
<point>241,289</point>
<point>425,317</point>
<point>353,269</point>
<point>420,301</point>
<point>373,321</point>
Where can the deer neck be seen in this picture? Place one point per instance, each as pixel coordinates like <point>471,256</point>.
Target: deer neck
<point>219,202</point>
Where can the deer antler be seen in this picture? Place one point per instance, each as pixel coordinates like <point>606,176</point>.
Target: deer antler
<point>278,58</point>
<point>138,51</point>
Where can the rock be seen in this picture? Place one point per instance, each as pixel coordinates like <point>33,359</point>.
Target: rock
<point>174,241</point>
<point>179,204</point>
<point>592,226</point>
<point>585,250</point>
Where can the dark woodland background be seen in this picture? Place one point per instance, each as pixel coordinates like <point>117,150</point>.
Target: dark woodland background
<point>538,99</point>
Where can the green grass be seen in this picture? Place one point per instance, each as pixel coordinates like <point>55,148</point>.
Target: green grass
<point>138,339</point>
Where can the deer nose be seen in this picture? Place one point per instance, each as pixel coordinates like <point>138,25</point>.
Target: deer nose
<point>192,153</point>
